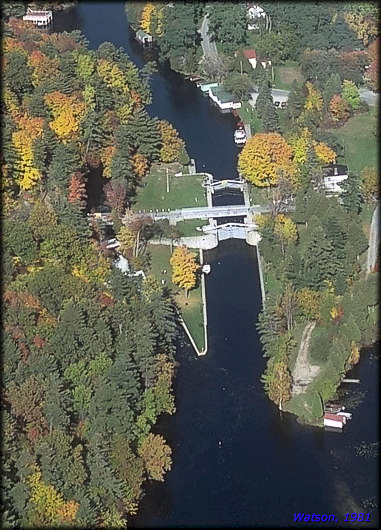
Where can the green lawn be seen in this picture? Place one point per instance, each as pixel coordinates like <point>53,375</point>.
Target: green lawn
<point>249,115</point>
<point>260,196</point>
<point>285,74</point>
<point>359,142</point>
<point>189,228</point>
<point>191,307</point>
<point>184,191</point>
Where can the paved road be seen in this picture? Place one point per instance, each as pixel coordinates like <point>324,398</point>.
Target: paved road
<point>367,95</point>
<point>374,240</point>
<point>208,47</point>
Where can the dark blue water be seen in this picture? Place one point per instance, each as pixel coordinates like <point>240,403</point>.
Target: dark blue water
<point>268,466</point>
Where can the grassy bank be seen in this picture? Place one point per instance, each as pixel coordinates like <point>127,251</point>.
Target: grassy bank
<point>189,228</point>
<point>191,307</point>
<point>184,191</point>
<point>360,143</point>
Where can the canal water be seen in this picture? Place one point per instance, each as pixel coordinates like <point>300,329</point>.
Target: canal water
<point>237,461</point>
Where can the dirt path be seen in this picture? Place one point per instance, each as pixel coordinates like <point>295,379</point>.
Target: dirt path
<point>304,372</point>
<point>374,240</point>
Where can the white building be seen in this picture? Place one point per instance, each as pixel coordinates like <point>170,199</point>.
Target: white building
<point>255,14</point>
<point>223,100</point>
<point>279,96</point>
<point>38,18</point>
<point>336,174</point>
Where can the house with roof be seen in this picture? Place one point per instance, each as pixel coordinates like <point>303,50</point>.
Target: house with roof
<point>334,175</point>
<point>251,56</point>
<point>225,101</point>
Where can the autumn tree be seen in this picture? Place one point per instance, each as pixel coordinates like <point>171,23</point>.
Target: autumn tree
<point>264,158</point>
<point>115,195</point>
<point>171,143</point>
<point>156,455</point>
<point>339,109</point>
<point>278,382</point>
<point>285,229</point>
<point>77,190</point>
<point>145,20</point>
<point>370,183</point>
<point>184,268</point>
<point>309,303</point>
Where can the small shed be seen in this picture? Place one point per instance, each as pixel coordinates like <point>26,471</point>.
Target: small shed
<point>145,39</point>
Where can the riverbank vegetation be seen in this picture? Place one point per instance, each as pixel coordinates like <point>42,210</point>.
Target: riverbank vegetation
<point>89,350</point>
<point>314,256</point>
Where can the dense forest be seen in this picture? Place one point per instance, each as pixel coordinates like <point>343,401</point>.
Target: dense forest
<point>89,351</point>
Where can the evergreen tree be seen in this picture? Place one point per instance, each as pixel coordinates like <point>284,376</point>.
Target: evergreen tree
<point>351,197</point>
<point>264,99</point>
<point>296,100</point>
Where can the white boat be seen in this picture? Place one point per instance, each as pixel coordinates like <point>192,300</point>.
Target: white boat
<point>240,137</point>
<point>206,268</point>
<point>347,415</point>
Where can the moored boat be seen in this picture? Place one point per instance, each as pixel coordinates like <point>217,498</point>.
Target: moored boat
<point>240,134</point>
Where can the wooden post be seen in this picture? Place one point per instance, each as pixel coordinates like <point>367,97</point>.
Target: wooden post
<point>167,181</point>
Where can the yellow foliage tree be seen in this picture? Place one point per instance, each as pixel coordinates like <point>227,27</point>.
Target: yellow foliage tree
<point>184,268</point>
<point>29,129</point>
<point>127,240</point>
<point>314,100</point>
<point>156,455</point>
<point>106,157</point>
<point>112,75</point>
<point>286,230</point>
<point>265,158</point>
<point>68,111</point>
<point>48,507</point>
<point>324,153</point>
<point>279,384</point>
<point>299,144</point>
<point>309,303</point>
<point>145,19</point>
<point>171,143</point>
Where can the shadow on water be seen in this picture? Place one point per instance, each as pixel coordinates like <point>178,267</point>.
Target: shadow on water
<point>268,465</point>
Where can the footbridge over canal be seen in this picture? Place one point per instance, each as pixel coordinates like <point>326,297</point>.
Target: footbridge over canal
<point>183,214</point>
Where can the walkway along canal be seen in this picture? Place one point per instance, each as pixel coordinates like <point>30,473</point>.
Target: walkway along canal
<point>236,460</point>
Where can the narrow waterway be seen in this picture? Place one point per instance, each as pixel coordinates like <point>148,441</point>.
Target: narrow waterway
<point>236,460</point>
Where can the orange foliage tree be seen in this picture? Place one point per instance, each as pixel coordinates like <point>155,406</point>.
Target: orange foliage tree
<point>77,190</point>
<point>145,19</point>
<point>139,164</point>
<point>339,109</point>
